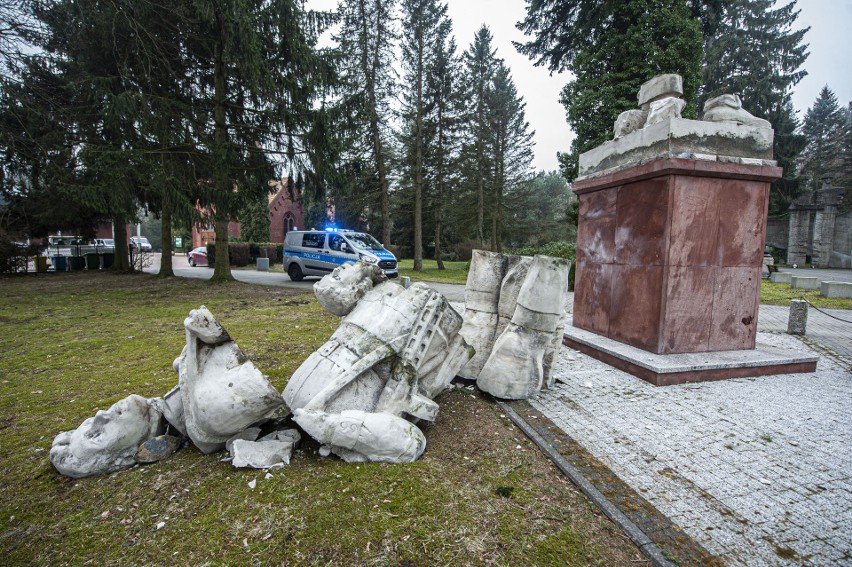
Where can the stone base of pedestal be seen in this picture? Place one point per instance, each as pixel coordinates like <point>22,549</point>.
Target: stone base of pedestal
<point>670,369</point>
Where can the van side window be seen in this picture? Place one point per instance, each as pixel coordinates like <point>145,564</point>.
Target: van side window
<point>335,242</point>
<point>313,240</point>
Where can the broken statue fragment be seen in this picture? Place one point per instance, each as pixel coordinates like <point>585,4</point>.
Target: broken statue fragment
<point>394,351</point>
<point>514,357</point>
<point>108,441</point>
<point>220,392</point>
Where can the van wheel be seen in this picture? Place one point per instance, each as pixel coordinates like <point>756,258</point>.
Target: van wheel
<point>295,272</point>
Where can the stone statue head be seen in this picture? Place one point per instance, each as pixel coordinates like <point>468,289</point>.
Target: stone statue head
<point>339,291</point>
<point>106,442</point>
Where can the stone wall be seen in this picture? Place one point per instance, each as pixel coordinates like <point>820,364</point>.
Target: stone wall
<point>778,235</point>
<point>778,231</point>
<point>841,253</point>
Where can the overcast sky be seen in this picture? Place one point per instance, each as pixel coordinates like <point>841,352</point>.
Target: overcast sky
<point>830,40</point>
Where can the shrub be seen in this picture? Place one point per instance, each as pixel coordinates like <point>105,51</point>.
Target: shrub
<point>239,254</point>
<point>464,250</point>
<point>567,250</point>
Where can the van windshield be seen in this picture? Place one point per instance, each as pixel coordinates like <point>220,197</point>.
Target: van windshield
<point>364,241</point>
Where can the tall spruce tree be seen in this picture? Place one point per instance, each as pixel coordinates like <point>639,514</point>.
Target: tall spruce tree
<point>824,128</point>
<point>480,64</point>
<point>427,26</point>
<point>441,130</point>
<point>366,38</point>
<point>256,78</point>
<point>611,48</point>
<point>756,54</point>
<point>510,151</point>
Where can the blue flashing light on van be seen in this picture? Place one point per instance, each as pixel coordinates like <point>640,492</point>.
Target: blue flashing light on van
<point>318,252</point>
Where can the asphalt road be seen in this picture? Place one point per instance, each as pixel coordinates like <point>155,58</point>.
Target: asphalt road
<point>452,292</point>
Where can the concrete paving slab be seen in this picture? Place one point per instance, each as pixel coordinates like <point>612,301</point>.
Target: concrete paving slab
<point>756,470</point>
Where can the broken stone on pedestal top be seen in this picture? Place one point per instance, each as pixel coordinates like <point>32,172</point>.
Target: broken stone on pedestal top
<point>665,109</point>
<point>661,86</point>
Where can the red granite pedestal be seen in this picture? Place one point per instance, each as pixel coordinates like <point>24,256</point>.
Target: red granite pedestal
<point>669,254</point>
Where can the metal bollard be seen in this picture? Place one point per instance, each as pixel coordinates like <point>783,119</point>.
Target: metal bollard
<point>798,320</point>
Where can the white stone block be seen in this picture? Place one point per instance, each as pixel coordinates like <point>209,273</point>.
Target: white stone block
<point>841,290</point>
<point>799,282</point>
<point>263,264</point>
<point>780,277</point>
<point>661,86</point>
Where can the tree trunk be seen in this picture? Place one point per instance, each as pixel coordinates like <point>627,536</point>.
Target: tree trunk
<point>418,165</point>
<point>122,249</point>
<point>222,265</point>
<point>166,269</point>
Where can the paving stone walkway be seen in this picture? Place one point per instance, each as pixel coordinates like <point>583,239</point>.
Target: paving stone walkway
<point>756,470</point>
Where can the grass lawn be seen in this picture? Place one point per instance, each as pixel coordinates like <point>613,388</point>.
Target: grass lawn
<point>78,342</point>
<point>454,272</point>
<point>782,294</point>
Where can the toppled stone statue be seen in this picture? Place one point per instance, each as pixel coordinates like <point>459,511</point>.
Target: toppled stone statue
<point>220,391</point>
<point>395,350</point>
<point>108,441</point>
<point>515,313</point>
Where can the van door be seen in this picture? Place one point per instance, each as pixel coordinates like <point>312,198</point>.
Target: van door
<point>340,251</point>
<point>314,255</point>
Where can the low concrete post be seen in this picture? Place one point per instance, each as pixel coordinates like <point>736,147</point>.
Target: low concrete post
<point>263,264</point>
<point>798,320</point>
<point>406,282</point>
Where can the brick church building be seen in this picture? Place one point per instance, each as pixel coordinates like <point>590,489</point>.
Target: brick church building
<point>285,214</point>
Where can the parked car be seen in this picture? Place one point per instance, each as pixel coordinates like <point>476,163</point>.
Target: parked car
<point>104,245</point>
<point>197,257</point>
<point>140,243</point>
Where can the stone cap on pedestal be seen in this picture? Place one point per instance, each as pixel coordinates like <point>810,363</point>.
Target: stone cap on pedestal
<point>681,138</point>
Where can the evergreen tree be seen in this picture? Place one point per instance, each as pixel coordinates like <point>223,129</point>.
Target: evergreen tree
<point>441,131</point>
<point>365,40</point>
<point>427,26</point>
<point>611,48</point>
<point>511,152</point>
<point>480,64</point>
<point>756,54</point>
<point>824,128</point>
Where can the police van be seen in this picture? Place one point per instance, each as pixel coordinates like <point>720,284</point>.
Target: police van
<point>318,252</point>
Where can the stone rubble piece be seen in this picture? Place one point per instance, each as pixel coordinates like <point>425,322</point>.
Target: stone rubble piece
<point>357,436</point>
<point>338,298</point>
<point>661,86</point>
<point>249,434</point>
<point>108,441</point>
<point>157,449</point>
<point>221,391</point>
<point>261,454</point>
<point>394,351</point>
<point>629,121</point>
